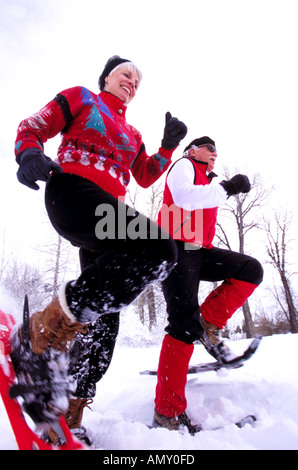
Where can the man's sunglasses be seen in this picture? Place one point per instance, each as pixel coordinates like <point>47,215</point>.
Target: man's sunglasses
<point>210,147</point>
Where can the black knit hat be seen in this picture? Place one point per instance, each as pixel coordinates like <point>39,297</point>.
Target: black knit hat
<point>112,63</point>
<point>200,141</point>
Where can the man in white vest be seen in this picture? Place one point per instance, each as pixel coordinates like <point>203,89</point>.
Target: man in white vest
<point>189,213</point>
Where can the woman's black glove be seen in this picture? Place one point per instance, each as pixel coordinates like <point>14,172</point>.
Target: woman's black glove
<point>35,165</point>
<point>174,132</point>
<point>237,184</point>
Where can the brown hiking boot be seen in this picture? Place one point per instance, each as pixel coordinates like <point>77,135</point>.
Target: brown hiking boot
<point>212,331</point>
<point>54,327</point>
<point>214,344</point>
<point>73,418</point>
<point>175,423</point>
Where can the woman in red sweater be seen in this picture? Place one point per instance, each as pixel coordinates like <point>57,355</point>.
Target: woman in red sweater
<point>98,152</point>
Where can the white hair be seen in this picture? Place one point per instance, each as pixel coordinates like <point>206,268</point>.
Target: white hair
<point>186,153</point>
<point>130,66</point>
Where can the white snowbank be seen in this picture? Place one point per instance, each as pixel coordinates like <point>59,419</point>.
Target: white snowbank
<point>266,386</point>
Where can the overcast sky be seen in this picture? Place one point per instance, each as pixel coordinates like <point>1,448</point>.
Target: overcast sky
<point>227,68</point>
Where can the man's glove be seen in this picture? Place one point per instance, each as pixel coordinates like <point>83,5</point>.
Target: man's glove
<point>237,184</point>
<point>174,132</point>
<point>35,165</point>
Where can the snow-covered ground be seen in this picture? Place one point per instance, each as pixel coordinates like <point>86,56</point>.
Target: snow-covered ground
<point>266,386</point>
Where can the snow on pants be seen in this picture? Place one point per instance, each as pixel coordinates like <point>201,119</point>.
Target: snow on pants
<point>125,255</point>
<point>241,274</point>
<point>92,352</point>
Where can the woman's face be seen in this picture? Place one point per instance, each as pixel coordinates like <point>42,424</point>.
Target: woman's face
<point>123,82</point>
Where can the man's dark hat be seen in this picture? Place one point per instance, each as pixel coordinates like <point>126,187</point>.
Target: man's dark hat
<point>112,63</point>
<point>200,141</point>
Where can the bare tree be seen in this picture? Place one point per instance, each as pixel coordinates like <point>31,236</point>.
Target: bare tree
<point>278,246</point>
<point>155,200</point>
<point>59,260</point>
<point>5,256</point>
<point>149,300</point>
<point>132,196</point>
<point>243,210</point>
<point>22,279</point>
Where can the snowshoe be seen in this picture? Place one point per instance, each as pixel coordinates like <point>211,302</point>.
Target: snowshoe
<point>42,379</point>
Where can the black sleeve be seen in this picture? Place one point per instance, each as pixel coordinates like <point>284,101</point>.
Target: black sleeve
<point>65,108</point>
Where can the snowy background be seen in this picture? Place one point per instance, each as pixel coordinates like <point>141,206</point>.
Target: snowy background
<point>227,69</point>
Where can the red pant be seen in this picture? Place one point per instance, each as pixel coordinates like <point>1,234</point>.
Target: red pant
<point>170,397</point>
<point>223,301</point>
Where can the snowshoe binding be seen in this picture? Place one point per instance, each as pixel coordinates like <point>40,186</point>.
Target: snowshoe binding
<point>42,379</point>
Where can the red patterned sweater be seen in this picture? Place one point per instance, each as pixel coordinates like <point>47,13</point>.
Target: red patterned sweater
<point>97,142</point>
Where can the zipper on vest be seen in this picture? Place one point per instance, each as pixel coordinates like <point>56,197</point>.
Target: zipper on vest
<point>184,222</point>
